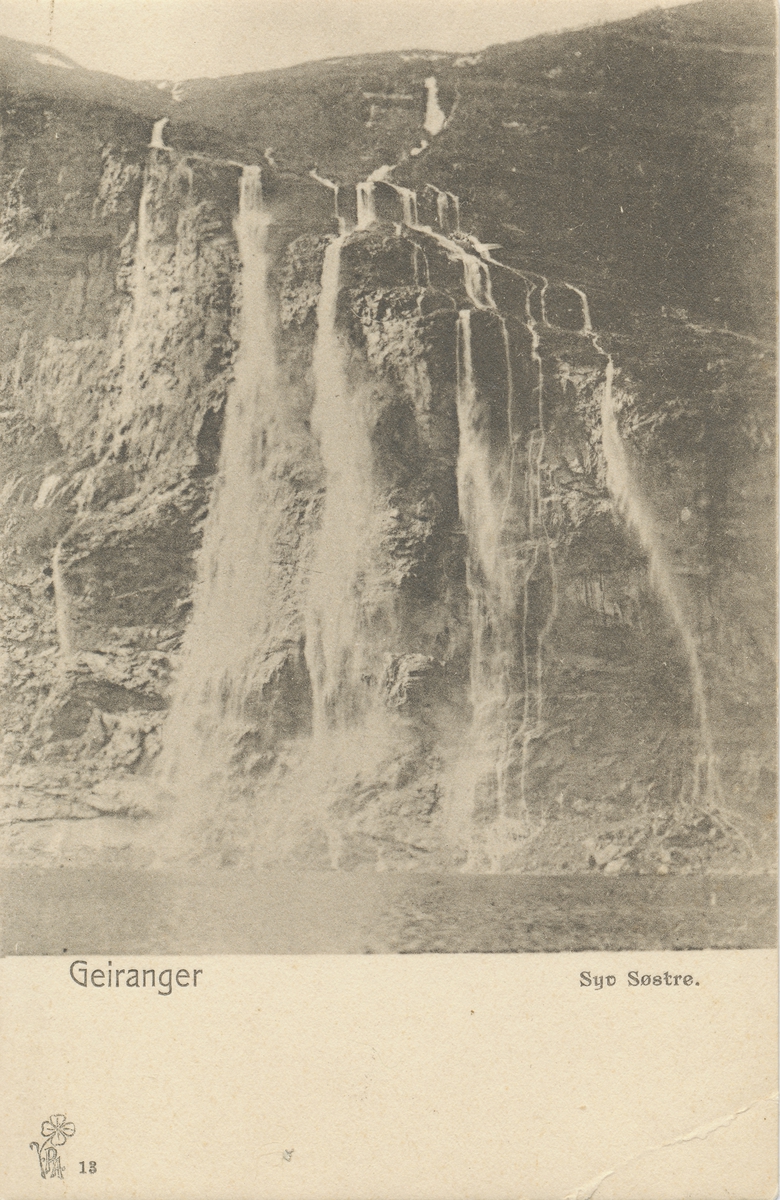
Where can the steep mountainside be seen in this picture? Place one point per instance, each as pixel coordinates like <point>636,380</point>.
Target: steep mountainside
<point>388,456</point>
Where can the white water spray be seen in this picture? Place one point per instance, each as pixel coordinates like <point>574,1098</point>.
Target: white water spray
<point>61,614</point>
<point>366,209</point>
<point>234,604</point>
<point>587,327</point>
<point>156,142</point>
<point>366,212</point>
<point>435,117</point>
<point>134,346</point>
<point>334,187</point>
<point>445,200</point>
<point>481,510</point>
<point>476,273</point>
<point>485,500</point>
<point>636,511</point>
<point>408,202</point>
<point>333,606</point>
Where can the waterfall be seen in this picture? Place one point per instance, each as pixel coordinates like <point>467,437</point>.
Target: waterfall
<point>442,206</point>
<point>332,615</point>
<point>587,327</point>
<point>417,254</point>
<point>636,511</point>
<point>61,615</point>
<point>366,211</point>
<point>477,282</point>
<point>143,241</point>
<point>435,118</point>
<point>409,203</point>
<point>510,396</point>
<point>481,522</point>
<point>537,546</point>
<point>136,333</point>
<point>476,273</point>
<point>226,643</point>
<point>156,142</point>
<point>334,187</point>
<point>484,498</point>
<point>486,502</point>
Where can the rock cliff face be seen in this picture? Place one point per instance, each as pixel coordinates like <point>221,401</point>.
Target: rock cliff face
<point>334,533</point>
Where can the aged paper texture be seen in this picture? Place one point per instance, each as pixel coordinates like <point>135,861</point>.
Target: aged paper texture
<point>388,551</point>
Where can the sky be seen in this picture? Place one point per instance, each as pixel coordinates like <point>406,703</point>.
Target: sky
<point>180,39</point>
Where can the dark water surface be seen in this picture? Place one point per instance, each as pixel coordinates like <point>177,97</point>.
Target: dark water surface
<point>120,911</point>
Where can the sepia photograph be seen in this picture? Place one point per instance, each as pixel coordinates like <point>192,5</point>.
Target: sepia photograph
<point>387,444</point>
<point>388,626</point>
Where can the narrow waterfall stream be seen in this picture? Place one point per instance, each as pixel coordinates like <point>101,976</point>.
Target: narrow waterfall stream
<point>333,607</point>
<point>639,516</point>
<point>228,634</point>
<point>484,495</point>
<point>156,141</point>
<point>482,508</point>
<point>366,207</point>
<point>435,117</point>
<point>136,335</point>
<point>499,576</point>
<point>62,619</point>
<point>333,187</point>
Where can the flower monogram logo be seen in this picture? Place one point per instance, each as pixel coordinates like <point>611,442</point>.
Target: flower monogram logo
<point>55,1132</point>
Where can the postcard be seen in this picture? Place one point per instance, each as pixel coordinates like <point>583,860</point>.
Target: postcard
<point>388,784</point>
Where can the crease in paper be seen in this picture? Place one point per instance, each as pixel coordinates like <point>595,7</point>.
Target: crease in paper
<point>589,1189</point>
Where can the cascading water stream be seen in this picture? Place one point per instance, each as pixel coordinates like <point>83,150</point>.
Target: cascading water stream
<point>476,273</point>
<point>485,501</point>
<point>494,578</point>
<point>366,208</point>
<point>435,117</point>
<point>366,212</point>
<point>532,279</point>
<point>630,502</point>
<point>537,540</point>
<point>482,513</point>
<point>633,506</point>
<point>485,493</point>
<point>408,202</point>
<point>587,327</point>
<point>486,506</point>
<point>333,610</point>
<point>442,209</point>
<point>156,142</point>
<point>224,643</point>
<point>135,340</point>
<point>141,264</point>
<point>447,209</point>
<point>61,615</point>
<point>333,187</point>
